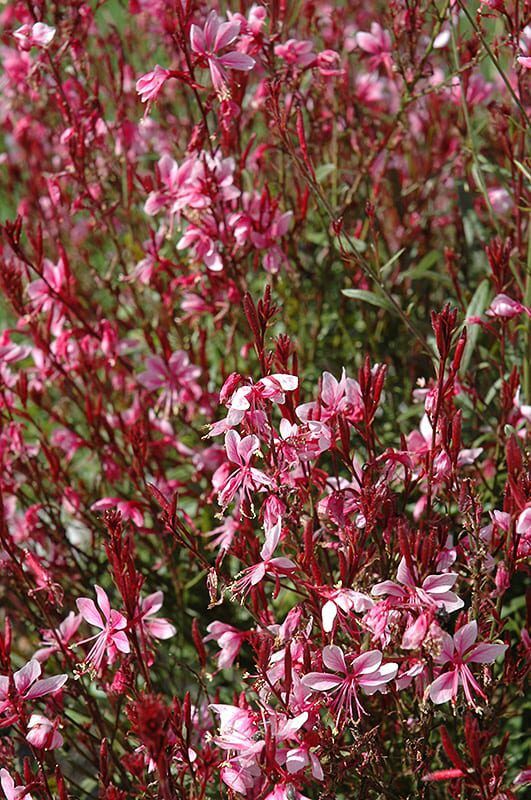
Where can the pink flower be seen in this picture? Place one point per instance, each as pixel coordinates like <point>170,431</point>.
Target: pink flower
<point>11,352</point>
<point>229,639</point>
<point>506,308</point>
<point>272,387</point>
<point>415,632</point>
<point>523,778</point>
<point>296,53</point>
<point>343,601</point>
<point>523,523</point>
<point>150,85</point>
<point>286,791</point>
<point>42,733</point>
<point>336,397</point>
<point>45,292</point>
<point>176,184</point>
<point>329,63</point>
<point>261,225</point>
<point>177,378</point>
<point>223,535</point>
<point>237,732</point>
<point>525,46</point>
<point>434,591</point>
<point>378,44</point>
<point>129,509</point>
<point>252,396</point>
<point>244,478</point>
<point>460,651</point>
<point>159,628</point>
<point>27,685</point>
<point>52,640</point>
<point>213,37</point>
<point>523,530</point>
<point>364,672</point>
<point>303,442</point>
<point>273,566</point>
<point>112,624</point>
<point>299,758</point>
<point>500,200</point>
<point>37,35</point>
<point>11,791</point>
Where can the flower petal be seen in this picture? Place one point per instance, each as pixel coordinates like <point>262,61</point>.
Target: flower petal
<point>321,681</point>
<point>103,601</point>
<point>89,612</point>
<point>46,686</point>
<point>329,613</point>
<point>334,659</point>
<point>444,687</point>
<point>486,653</point>
<point>367,662</point>
<point>236,60</point>
<point>465,637</point>
<point>27,675</point>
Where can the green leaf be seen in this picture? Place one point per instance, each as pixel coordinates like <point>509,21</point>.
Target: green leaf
<point>476,307</point>
<point>385,270</point>
<point>370,297</point>
<point>352,245</point>
<point>424,265</point>
<point>523,170</point>
<point>323,171</point>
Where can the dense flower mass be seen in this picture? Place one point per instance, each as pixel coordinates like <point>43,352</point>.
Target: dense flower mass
<point>265,399</point>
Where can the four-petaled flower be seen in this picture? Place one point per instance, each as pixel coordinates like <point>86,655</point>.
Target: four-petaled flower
<point>37,35</point>
<point>433,592</point>
<point>208,41</point>
<point>363,672</point>
<point>343,601</point>
<point>253,575</point>
<point>460,651</point>
<point>112,624</point>
<point>157,627</point>
<point>28,685</point>
<point>176,377</point>
<point>244,478</point>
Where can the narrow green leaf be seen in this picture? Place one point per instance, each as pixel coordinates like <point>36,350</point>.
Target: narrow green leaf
<point>370,297</point>
<point>523,170</point>
<point>323,171</point>
<point>477,306</point>
<point>424,265</point>
<point>385,270</point>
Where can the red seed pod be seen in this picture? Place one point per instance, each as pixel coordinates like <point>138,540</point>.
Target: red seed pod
<point>456,435</point>
<point>187,711</point>
<point>263,654</point>
<point>459,350</point>
<point>450,750</point>
<point>514,456</point>
<point>60,784</point>
<point>104,762</point>
<point>303,143</point>
<point>252,317</point>
<point>198,643</point>
<point>287,671</point>
<point>473,740</point>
